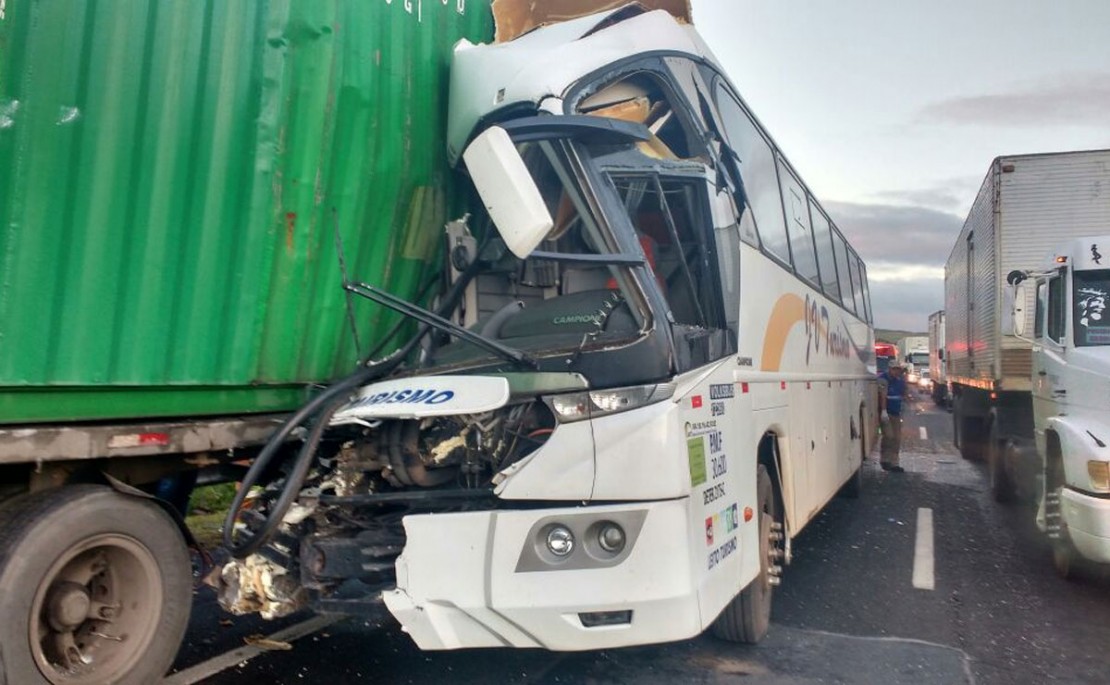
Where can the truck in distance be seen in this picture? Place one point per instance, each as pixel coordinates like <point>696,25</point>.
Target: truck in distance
<point>913,350</point>
<point>938,377</point>
<point>1027,397</point>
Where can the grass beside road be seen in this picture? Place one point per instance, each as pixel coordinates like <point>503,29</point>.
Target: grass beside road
<point>207,509</point>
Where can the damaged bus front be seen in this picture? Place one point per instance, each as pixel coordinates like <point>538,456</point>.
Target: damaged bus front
<point>537,467</point>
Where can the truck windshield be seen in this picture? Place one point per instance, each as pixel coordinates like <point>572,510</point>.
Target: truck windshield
<point>919,359</point>
<point>1092,322</point>
<point>574,293</point>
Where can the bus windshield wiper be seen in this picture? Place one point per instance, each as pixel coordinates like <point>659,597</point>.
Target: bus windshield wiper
<point>450,327</point>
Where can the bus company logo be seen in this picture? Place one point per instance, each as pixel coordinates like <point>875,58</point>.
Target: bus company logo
<point>722,391</point>
<point>406,396</point>
<point>576,318</point>
<point>709,531</point>
<point>821,338</point>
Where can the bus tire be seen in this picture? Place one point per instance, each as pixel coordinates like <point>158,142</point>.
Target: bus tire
<point>748,616</point>
<point>81,567</point>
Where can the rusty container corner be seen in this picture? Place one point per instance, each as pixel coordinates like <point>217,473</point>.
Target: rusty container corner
<point>173,177</point>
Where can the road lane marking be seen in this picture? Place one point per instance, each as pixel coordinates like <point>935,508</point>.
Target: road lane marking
<point>922,433</point>
<point>923,576</point>
<point>207,669</point>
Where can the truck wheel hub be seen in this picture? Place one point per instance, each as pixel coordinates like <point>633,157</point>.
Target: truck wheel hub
<point>68,606</point>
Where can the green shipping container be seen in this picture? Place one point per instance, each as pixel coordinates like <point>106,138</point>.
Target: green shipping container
<point>173,178</point>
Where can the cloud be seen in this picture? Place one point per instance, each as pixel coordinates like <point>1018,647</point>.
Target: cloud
<point>905,248</point>
<point>1067,99</point>
<point>906,305</point>
<point>941,196</point>
<point>891,236</point>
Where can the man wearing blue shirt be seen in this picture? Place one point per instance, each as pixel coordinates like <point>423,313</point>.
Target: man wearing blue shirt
<point>892,388</point>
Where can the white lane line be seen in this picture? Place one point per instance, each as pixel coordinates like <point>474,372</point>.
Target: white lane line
<point>207,669</point>
<point>923,578</point>
<point>921,431</point>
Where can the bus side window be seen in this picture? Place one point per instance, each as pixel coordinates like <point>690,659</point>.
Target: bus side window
<point>841,252</point>
<point>822,236</point>
<point>728,260</point>
<point>757,167</point>
<point>866,291</point>
<point>857,289</point>
<point>797,219</point>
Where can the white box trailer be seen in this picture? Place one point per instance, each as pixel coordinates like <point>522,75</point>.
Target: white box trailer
<point>1027,206</point>
<point>938,376</point>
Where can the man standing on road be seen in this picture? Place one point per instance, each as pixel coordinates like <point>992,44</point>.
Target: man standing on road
<point>892,388</point>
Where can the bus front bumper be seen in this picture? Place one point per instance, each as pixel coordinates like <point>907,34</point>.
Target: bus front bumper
<point>486,579</point>
<point>1088,521</point>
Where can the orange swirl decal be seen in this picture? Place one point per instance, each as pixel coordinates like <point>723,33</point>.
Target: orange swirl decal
<point>789,310</point>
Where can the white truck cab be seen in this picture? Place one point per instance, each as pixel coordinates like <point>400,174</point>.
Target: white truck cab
<point>1071,405</point>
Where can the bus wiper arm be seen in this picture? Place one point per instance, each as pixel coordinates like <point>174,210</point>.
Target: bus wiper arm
<point>450,327</point>
<point>618,259</point>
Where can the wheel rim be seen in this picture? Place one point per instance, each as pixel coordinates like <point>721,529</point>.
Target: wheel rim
<point>95,611</point>
<point>768,548</point>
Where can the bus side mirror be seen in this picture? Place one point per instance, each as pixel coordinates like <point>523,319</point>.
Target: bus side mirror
<point>508,191</point>
<point>940,354</point>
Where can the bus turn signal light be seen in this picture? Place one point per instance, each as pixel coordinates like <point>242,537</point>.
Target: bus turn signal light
<point>1099,471</point>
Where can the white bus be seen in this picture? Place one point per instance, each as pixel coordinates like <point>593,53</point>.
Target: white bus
<point>654,367</point>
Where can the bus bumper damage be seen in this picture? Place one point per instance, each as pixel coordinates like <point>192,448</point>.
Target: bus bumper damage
<point>504,590</point>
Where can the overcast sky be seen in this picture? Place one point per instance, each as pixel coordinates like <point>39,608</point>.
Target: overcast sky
<point>892,110</point>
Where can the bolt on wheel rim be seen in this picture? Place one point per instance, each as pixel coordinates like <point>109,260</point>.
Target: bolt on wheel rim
<point>95,611</point>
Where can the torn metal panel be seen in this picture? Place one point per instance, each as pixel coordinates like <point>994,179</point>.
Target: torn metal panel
<point>540,67</point>
<point>514,18</point>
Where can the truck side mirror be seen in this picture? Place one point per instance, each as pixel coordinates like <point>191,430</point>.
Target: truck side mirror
<point>1017,309</point>
<point>508,191</point>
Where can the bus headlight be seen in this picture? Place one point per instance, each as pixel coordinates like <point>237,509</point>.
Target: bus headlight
<point>610,537</point>
<point>560,541</point>
<point>583,405</point>
<point>1099,472</point>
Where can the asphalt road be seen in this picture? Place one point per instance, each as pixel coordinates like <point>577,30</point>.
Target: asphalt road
<point>852,608</point>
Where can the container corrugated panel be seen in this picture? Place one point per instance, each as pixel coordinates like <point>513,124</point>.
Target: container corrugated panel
<point>175,179</point>
<point>966,294</point>
<point>1044,201</point>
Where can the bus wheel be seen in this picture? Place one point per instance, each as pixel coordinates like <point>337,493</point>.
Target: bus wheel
<point>748,616</point>
<point>97,588</point>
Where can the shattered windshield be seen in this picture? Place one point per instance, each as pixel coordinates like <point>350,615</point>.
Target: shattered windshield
<point>1092,324</point>
<point>573,292</point>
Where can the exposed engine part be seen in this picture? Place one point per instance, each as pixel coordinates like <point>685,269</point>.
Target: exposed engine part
<point>345,525</point>
<point>256,584</point>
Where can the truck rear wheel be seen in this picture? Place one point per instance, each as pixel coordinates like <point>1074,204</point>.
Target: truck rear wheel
<point>95,587</point>
<point>969,432</point>
<point>1002,484</point>
<point>748,616</point>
